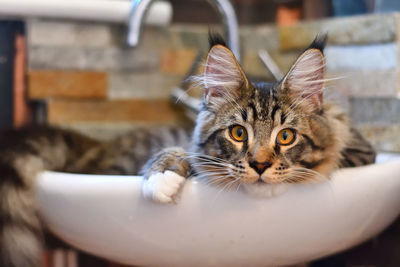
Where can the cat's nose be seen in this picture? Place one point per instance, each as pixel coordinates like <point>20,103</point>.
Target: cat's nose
<point>259,167</point>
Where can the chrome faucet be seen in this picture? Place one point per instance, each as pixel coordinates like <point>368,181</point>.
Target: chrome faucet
<point>224,8</point>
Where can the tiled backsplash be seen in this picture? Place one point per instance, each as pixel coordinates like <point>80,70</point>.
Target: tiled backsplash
<point>96,84</point>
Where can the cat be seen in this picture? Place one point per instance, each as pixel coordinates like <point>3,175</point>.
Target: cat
<point>262,136</point>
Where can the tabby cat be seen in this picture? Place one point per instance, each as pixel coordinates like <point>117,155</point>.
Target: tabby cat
<point>259,135</point>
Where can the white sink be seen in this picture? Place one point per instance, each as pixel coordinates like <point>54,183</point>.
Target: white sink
<point>107,216</point>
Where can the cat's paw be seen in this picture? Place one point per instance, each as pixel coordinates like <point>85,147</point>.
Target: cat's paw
<point>163,187</point>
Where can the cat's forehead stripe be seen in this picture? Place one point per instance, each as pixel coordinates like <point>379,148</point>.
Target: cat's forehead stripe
<point>260,102</point>
<point>283,117</point>
<point>253,109</point>
<point>274,110</point>
<point>244,114</point>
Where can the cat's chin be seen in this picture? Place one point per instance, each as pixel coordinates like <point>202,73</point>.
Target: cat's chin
<point>265,190</point>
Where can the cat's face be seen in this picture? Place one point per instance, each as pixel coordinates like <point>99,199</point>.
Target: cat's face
<point>255,134</point>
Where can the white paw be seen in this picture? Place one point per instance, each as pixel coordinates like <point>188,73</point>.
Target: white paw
<point>162,187</point>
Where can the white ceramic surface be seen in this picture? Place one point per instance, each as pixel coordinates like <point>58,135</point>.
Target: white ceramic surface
<point>107,216</point>
<point>160,12</point>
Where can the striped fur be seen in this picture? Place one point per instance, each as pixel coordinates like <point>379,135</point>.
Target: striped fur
<point>324,141</point>
<point>26,152</point>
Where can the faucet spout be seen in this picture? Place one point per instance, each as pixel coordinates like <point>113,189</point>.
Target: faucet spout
<point>138,11</point>
<point>224,8</point>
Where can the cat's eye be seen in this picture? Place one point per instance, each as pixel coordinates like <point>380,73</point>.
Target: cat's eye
<point>238,133</point>
<point>286,137</point>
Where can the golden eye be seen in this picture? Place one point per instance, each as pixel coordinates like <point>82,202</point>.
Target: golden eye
<point>286,137</point>
<point>238,133</point>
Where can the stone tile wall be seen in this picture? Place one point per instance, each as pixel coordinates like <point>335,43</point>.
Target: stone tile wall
<point>362,58</point>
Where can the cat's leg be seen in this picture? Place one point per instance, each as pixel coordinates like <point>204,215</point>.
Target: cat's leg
<point>165,174</point>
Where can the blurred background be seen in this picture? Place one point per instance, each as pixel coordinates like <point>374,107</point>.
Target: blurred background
<point>67,63</point>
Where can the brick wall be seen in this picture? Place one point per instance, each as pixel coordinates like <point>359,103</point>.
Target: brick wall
<point>94,83</point>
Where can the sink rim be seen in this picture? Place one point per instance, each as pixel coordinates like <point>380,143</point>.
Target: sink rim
<point>127,228</point>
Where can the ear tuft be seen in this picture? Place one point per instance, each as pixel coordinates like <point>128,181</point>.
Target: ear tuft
<point>215,39</point>
<point>319,42</point>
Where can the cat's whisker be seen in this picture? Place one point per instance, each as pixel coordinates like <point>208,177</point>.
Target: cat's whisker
<point>235,104</point>
<point>302,95</point>
<point>296,179</point>
<point>203,156</point>
<point>210,176</point>
<point>211,173</point>
<point>236,181</point>
<point>320,176</point>
<point>311,171</point>
<point>238,187</point>
<point>204,166</point>
<point>305,175</point>
<point>219,79</point>
<point>307,83</point>
<point>207,168</point>
<point>207,180</point>
<point>211,168</point>
<point>204,159</point>
<point>299,174</point>
<point>201,170</point>
<point>232,101</point>
<point>302,176</point>
<point>213,164</point>
<point>227,186</point>
<point>218,181</point>
<point>300,99</point>
<point>210,163</point>
<point>307,97</point>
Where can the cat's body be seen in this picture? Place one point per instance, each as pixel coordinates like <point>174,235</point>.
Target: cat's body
<point>256,135</point>
<point>26,152</point>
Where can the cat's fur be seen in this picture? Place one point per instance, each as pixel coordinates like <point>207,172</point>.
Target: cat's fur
<point>324,141</point>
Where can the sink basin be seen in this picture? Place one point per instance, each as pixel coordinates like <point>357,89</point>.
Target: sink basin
<point>107,216</point>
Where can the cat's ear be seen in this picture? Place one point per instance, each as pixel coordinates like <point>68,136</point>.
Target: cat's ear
<point>304,82</point>
<point>223,78</point>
